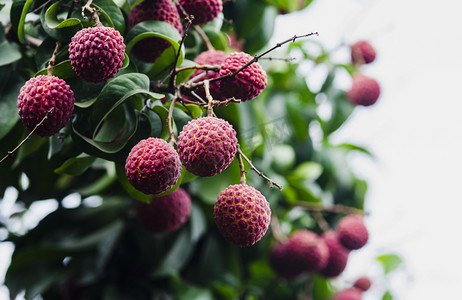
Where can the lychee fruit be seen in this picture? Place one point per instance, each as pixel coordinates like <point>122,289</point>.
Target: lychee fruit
<point>363,283</point>
<point>207,146</point>
<point>38,96</point>
<point>362,52</point>
<point>153,166</point>
<point>352,232</point>
<point>304,251</point>
<point>364,90</point>
<point>166,213</point>
<point>338,255</point>
<point>149,49</point>
<point>349,294</point>
<point>242,215</point>
<point>97,53</point>
<point>213,58</point>
<point>204,11</point>
<point>245,85</point>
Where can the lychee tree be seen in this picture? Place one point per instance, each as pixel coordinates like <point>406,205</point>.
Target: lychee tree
<point>194,146</point>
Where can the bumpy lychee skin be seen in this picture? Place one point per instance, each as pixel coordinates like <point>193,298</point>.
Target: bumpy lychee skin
<point>364,90</point>
<point>362,52</point>
<point>207,146</point>
<point>213,58</point>
<point>149,49</point>
<point>352,232</point>
<point>38,96</point>
<point>97,53</point>
<point>165,213</point>
<point>153,166</point>
<point>349,294</point>
<point>242,215</point>
<point>303,252</point>
<point>248,83</point>
<point>204,11</point>
<point>363,283</point>
<point>338,255</point>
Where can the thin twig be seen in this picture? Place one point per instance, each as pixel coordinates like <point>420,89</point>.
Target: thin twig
<point>52,61</point>
<point>170,120</point>
<point>28,136</point>
<point>322,223</point>
<point>204,37</point>
<point>40,7</point>
<point>93,11</point>
<point>241,167</point>
<point>209,98</point>
<point>336,208</point>
<point>214,68</point>
<point>271,182</point>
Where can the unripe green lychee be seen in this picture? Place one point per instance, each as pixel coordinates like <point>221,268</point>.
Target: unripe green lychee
<point>149,49</point>
<point>362,52</point>
<point>349,294</point>
<point>213,58</point>
<point>207,146</point>
<point>38,96</point>
<point>338,255</point>
<point>203,11</point>
<point>352,232</point>
<point>242,214</point>
<point>363,283</point>
<point>303,252</point>
<point>165,213</point>
<point>153,166</point>
<point>364,90</point>
<point>245,85</point>
<point>97,53</point>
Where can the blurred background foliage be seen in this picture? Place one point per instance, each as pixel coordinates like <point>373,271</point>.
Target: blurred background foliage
<point>90,245</point>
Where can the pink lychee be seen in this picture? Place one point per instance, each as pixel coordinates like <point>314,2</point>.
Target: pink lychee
<point>207,146</point>
<point>352,232</point>
<point>149,49</point>
<point>153,166</point>
<point>245,85</point>
<point>204,11</point>
<point>49,96</point>
<point>362,52</point>
<point>364,90</point>
<point>165,214</point>
<point>338,255</point>
<point>242,214</point>
<point>362,283</point>
<point>97,53</point>
<point>349,294</point>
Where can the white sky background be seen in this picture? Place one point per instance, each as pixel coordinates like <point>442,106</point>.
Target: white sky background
<point>413,130</point>
<point>414,198</point>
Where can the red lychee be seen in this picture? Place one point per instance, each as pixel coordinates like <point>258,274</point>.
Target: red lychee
<point>352,232</point>
<point>97,53</point>
<point>153,166</point>
<point>149,49</point>
<point>304,251</point>
<point>242,214</point>
<point>38,96</point>
<point>207,146</point>
<point>362,283</point>
<point>364,90</point>
<point>362,52</point>
<point>338,255</point>
<point>165,213</point>
<point>349,294</point>
<point>213,58</point>
<point>245,85</point>
<point>203,11</point>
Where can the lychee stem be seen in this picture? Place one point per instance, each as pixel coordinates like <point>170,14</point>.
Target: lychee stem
<point>28,136</point>
<point>336,208</point>
<point>322,223</point>
<point>93,12</point>
<point>204,37</point>
<point>215,68</point>
<point>241,167</point>
<point>51,62</point>
<point>170,120</point>
<point>271,182</point>
<point>209,98</point>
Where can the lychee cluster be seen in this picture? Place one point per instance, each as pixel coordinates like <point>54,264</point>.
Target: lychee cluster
<point>207,146</point>
<point>153,166</point>
<point>204,11</point>
<point>304,251</point>
<point>97,53</point>
<point>355,292</point>
<point>45,96</point>
<point>149,49</point>
<point>364,90</point>
<point>242,215</point>
<point>165,214</point>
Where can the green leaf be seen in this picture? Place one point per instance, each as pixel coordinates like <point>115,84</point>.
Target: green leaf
<point>198,222</point>
<point>10,84</point>
<point>387,296</point>
<point>341,111</point>
<point>111,13</point>
<point>25,9</point>
<point>76,165</point>
<point>322,288</point>
<point>62,70</point>
<point>8,52</point>
<point>389,262</point>
<point>307,171</point>
<point>61,30</point>
<point>128,187</point>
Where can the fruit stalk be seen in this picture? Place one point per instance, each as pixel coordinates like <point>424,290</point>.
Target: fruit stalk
<point>271,182</point>
<point>52,61</point>
<point>93,12</point>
